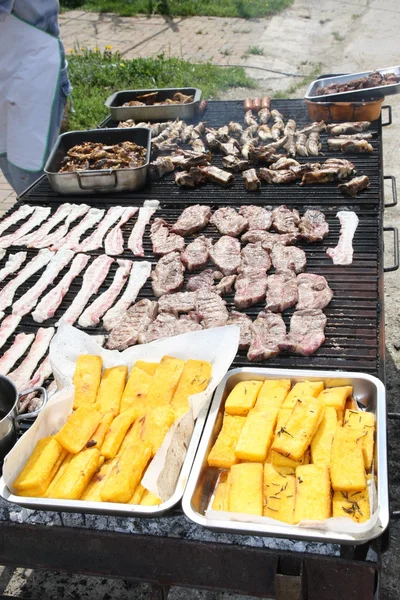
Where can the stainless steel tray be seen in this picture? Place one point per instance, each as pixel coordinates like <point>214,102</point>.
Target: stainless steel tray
<point>353,95</point>
<point>111,508</point>
<point>369,393</point>
<point>152,113</point>
<point>104,180</point>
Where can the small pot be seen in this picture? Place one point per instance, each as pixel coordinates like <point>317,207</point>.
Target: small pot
<point>329,112</point>
<point>9,412</point>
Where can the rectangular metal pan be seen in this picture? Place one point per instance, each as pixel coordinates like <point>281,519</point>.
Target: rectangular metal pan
<point>100,181</point>
<point>111,508</point>
<point>152,113</point>
<point>369,393</point>
<point>354,95</point>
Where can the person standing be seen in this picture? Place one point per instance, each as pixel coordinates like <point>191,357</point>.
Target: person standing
<point>34,87</point>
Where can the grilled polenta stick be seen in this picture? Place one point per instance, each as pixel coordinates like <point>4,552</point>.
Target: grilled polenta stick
<point>336,396</point>
<point>222,454</point>
<point>165,381</point>
<point>242,398</point>
<point>220,501</point>
<point>321,444</point>
<point>126,474</point>
<point>156,424</point>
<point>148,367</point>
<point>78,429</point>
<point>302,389</point>
<point>137,494</point>
<point>136,389</point>
<point>77,475</point>
<point>278,460</point>
<point>347,463</point>
<point>256,435</point>
<point>133,436</point>
<point>293,439</point>
<point>96,484</point>
<point>58,475</point>
<point>194,379</point>
<point>354,505</point>
<point>272,393</point>
<point>313,493</point>
<point>117,431</point>
<point>41,467</point>
<point>362,425</point>
<point>86,379</point>
<point>149,499</point>
<point>279,493</point>
<point>98,436</point>
<point>111,388</point>
<point>246,489</point>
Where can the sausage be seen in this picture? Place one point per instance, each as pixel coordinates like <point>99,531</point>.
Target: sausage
<point>266,102</point>
<point>248,104</point>
<point>256,104</point>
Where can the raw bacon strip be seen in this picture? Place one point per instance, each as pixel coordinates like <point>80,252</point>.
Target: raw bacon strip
<point>135,242</point>
<point>92,315</point>
<point>52,389</point>
<point>8,292</point>
<point>41,213</point>
<point>114,242</point>
<point>21,213</point>
<point>77,211</point>
<point>72,239</point>
<point>95,240</point>
<point>21,344</point>
<point>343,253</point>
<point>22,375</point>
<point>51,301</point>
<point>2,253</point>
<point>32,401</point>
<point>139,274</point>
<point>24,305</point>
<point>92,280</point>
<point>60,215</point>
<point>1,315</point>
<point>8,327</point>
<point>13,264</point>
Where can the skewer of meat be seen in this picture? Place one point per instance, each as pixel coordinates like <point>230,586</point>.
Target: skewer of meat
<point>13,264</point>
<point>38,262</point>
<point>51,301</point>
<point>93,313</point>
<point>21,376</point>
<point>60,215</point>
<point>41,213</point>
<point>23,212</point>
<point>29,300</point>
<point>92,217</point>
<point>77,211</point>
<point>94,276</point>
<point>140,272</point>
<point>21,344</point>
<point>8,326</point>
<point>114,242</point>
<point>95,240</point>
<point>135,242</point>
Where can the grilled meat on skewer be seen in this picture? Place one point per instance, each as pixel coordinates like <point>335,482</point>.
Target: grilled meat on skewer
<point>301,144</point>
<point>282,291</point>
<point>235,163</point>
<point>160,166</point>
<point>257,217</point>
<point>249,119</point>
<point>313,226</point>
<point>356,127</point>
<point>228,221</point>
<point>251,181</point>
<point>267,332</point>
<point>355,186</point>
<point>243,322</point>
<point>218,175</point>
<point>356,146</point>
<point>313,144</point>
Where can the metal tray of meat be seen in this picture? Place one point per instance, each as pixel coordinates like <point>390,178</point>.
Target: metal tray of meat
<point>152,113</point>
<point>353,95</point>
<point>368,391</point>
<point>112,508</point>
<point>98,181</point>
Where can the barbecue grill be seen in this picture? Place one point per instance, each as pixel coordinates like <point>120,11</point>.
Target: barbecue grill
<point>172,550</point>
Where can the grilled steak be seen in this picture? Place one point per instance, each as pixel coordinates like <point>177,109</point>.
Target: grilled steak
<point>225,286</point>
<point>268,331</point>
<point>136,320</point>
<point>257,217</point>
<point>204,280</point>
<point>306,332</point>
<point>195,255</point>
<point>267,239</point>
<point>211,309</point>
<point>282,291</point>
<point>194,218</point>
<point>168,325</point>
<point>168,274</point>
<point>244,322</point>
<point>255,256</point>
<point>250,286</point>
<point>164,242</point>
<point>313,226</point>
<point>314,291</point>
<point>288,258</point>
<point>228,221</point>
<point>225,254</point>
<point>285,220</point>
<point>177,303</point>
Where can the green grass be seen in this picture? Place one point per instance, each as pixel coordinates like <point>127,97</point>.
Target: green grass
<point>337,37</point>
<point>217,8</point>
<point>315,72</point>
<point>96,75</point>
<point>255,50</point>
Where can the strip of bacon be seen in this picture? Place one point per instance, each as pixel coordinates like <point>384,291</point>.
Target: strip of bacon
<point>23,373</point>
<point>13,264</point>
<point>38,262</point>
<point>8,326</point>
<point>51,301</point>
<point>92,315</point>
<point>140,272</point>
<point>60,215</point>
<point>12,239</point>
<point>77,211</point>
<point>342,254</point>
<point>135,242</point>
<point>21,344</point>
<point>94,276</point>
<point>114,242</point>
<point>18,215</point>
<point>2,253</point>
<point>95,240</point>
<point>72,239</point>
<point>24,305</point>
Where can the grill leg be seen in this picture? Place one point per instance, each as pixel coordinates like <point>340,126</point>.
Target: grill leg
<point>290,580</point>
<point>159,592</point>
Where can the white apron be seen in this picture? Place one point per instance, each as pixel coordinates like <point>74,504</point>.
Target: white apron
<point>30,65</point>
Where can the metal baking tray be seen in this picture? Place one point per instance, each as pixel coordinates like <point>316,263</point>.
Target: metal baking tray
<point>369,393</point>
<point>364,94</point>
<point>112,508</point>
<point>103,180</point>
<point>152,113</point>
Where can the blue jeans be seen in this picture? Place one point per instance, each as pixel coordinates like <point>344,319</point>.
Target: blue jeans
<point>19,179</point>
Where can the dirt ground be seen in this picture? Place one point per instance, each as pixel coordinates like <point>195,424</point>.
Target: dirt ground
<point>332,36</point>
